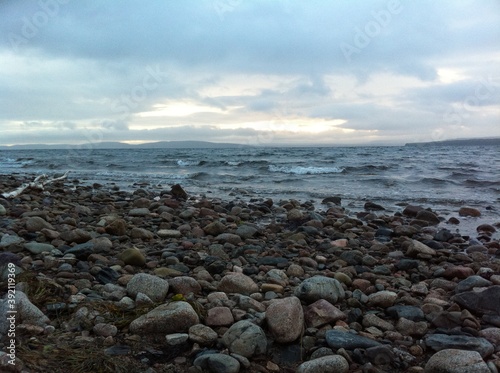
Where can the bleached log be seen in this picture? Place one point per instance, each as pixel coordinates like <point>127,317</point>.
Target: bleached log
<point>38,183</point>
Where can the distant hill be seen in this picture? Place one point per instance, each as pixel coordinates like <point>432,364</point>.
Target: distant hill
<point>122,145</point>
<point>459,142</point>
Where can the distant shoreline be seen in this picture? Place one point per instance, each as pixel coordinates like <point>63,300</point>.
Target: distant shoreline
<point>458,142</point>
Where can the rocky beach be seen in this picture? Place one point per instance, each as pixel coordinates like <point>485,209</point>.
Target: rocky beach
<point>165,281</point>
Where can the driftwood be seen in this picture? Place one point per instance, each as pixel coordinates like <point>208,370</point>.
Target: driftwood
<point>38,183</point>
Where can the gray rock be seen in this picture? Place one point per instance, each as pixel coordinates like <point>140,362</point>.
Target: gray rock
<point>417,248</point>
<point>229,238</point>
<point>340,339</point>
<point>246,231</point>
<point>440,342</point>
<point>456,361</point>
<point>81,251</point>
<point>174,317</point>
<point>27,312</point>
<point>487,301</point>
<point>330,363</point>
<point>285,319</point>
<point>36,224</point>
<point>143,211</point>
<point>141,233</point>
<point>320,287</point>
<point>8,240</point>
<point>37,248</point>
<point>217,363</point>
<point>176,339</point>
<point>105,330</point>
<point>245,338</point>
<point>202,334</point>
<point>154,287</point>
<point>471,282</point>
<point>3,210</point>
<point>169,233</point>
<point>76,235</point>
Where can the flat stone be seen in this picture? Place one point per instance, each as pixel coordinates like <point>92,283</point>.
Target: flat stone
<point>81,251</point>
<point>8,240</point>
<point>456,361</point>
<point>143,211</point>
<point>439,342</point>
<point>169,233</point>
<point>341,339</point>
<point>472,282</point>
<point>37,248</point>
<point>416,248</point>
<point>154,287</point>
<point>174,317</point>
<point>285,319</point>
<point>228,238</point>
<point>245,338</point>
<point>36,224</point>
<point>382,299</point>
<point>320,287</point>
<point>77,235</point>
<point>105,330</point>
<point>330,363</point>
<point>141,233</point>
<point>408,312</point>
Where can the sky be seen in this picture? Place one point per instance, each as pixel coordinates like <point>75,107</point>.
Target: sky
<point>256,72</point>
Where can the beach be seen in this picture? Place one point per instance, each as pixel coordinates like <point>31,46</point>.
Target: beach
<point>166,279</point>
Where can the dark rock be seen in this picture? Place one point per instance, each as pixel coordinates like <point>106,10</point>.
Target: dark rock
<point>440,342</point>
<point>76,235</point>
<point>412,211</point>
<point>81,251</point>
<point>472,282</point>
<point>352,257</point>
<point>178,192</point>
<point>339,339</point>
<point>272,261</point>
<point>428,216</point>
<point>117,228</point>
<point>487,301</point>
<point>107,275</point>
<point>406,264</point>
<point>443,235</point>
<point>408,312</point>
<point>335,200</point>
<point>373,206</point>
<point>469,211</point>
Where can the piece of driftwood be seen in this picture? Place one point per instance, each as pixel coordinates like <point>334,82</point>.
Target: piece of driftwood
<point>38,183</point>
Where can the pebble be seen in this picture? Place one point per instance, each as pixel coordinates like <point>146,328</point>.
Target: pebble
<point>320,287</point>
<point>154,287</point>
<point>285,319</point>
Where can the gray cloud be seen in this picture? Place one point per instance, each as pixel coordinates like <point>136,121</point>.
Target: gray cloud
<point>73,67</point>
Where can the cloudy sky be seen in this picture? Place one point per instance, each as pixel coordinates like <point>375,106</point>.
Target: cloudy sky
<point>257,72</point>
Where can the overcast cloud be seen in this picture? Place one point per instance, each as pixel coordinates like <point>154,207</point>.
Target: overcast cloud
<point>248,71</point>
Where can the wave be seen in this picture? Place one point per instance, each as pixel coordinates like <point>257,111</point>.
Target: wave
<point>475,182</point>
<point>301,170</point>
<point>183,163</point>
<point>368,168</point>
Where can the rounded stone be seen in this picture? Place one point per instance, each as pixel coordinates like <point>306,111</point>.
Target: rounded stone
<point>320,287</point>
<point>217,363</point>
<point>285,319</point>
<point>324,364</point>
<point>456,361</point>
<point>105,330</point>
<point>174,317</point>
<point>238,283</point>
<point>202,334</point>
<point>154,287</point>
<point>132,256</point>
<point>245,338</point>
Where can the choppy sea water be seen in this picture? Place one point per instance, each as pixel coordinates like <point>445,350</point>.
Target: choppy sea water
<point>442,178</point>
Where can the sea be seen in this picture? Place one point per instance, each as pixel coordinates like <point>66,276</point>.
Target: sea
<point>442,178</point>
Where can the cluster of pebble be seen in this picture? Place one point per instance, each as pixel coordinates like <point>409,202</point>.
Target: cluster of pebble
<point>230,286</point>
